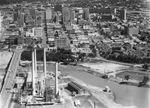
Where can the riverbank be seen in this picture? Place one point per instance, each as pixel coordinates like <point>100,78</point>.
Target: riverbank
<point>124,95</point>
<point>107,99</point>
<point>111,72</point>
<point>100,68</point>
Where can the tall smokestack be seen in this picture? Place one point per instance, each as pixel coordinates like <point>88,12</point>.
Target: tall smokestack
<point>125,14</point>
<point>33,74</point>
<point>44,63</point>
<point>56,79</point>
<point>35,63</point>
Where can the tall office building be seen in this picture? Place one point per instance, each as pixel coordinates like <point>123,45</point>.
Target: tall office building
<point>122,14</point>
<point>48,14</point>
<point>57,18</point>
<point>114,11</point>
<point>72,15</point>
<point>86,13</point>
<point>66,15</point>
<point>15,15</point>
<point>21,19</point>
<point>32,13</point>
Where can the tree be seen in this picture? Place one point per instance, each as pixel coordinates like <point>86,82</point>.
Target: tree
<point>145,66</point>
<point>81,56</point>
<point>126,77</point>
<point>145,79</point>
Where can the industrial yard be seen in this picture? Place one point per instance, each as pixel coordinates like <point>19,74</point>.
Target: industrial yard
<point>72,92</point>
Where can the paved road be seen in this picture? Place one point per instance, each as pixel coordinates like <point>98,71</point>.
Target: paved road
<point>5,94</point>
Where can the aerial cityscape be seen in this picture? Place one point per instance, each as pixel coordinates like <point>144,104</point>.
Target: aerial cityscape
<point>74,53</point>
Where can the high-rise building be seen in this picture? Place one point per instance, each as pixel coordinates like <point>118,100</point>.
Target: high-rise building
<point>48,14</point>
<point>114,11</point>
<point>39,18</point>
<point>32,13</point>
<point>72,15</point>
<point>66,15</point>
<point>21,19</point>
<point>15,15</point>
<point>58,8</point>
<point>57,18</point>
<point>86,13</point>
<point>122,14</point>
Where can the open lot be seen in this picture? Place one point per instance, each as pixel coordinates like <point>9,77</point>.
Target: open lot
<point>104,67</point>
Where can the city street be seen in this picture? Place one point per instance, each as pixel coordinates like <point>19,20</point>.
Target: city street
<point>9,79</point>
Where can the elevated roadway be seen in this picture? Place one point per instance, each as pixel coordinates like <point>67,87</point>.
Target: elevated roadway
<point>5,95</point>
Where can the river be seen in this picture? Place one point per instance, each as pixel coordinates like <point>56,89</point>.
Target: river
<point>125,94</point>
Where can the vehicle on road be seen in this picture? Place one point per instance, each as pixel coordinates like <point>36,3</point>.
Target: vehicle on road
<point>19,47</point>
<point>5,47</point>
<point>13,47</point>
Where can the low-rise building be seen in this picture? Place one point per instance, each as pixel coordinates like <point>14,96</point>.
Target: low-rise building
<point>62,42</point>
<point>20,40</point>
<point>38,31</point>
<point>133,30</point>
<point>28,40</point>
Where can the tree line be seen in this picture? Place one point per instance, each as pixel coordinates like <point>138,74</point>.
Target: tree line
<point>127,58</point>
<point>59,55</point>
<point>5,2</point>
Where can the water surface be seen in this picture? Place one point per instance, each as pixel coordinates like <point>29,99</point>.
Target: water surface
<point>125,94</point>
